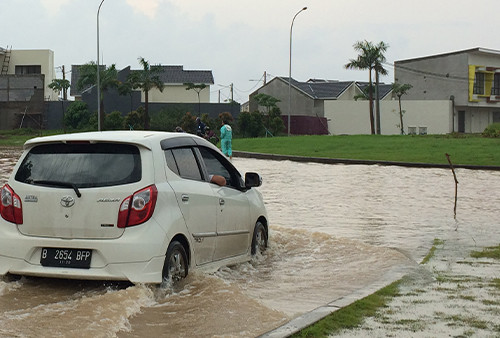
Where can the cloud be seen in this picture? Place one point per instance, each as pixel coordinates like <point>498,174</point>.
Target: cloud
<point>146,7</point>
<point>53,7</point>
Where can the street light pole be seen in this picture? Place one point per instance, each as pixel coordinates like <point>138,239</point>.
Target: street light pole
<point>98,77</point>
<point>290,71</point>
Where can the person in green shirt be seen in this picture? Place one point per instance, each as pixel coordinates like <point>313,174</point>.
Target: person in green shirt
<point>226,136</point>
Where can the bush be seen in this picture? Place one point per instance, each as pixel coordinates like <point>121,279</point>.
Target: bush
<point>250,124</point>
<point>113,121</point>
<point>77,115</point>
<point>135,119</point>
<point>188,123</point>
<point>166,120</point>
<point>493,130</point>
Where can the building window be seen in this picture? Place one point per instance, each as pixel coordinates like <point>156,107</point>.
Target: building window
<point>479,84</point>
<point>35,69</point>
<point>495,90</point>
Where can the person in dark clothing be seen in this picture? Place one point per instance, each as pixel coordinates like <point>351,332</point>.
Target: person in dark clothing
<point>200,129</point>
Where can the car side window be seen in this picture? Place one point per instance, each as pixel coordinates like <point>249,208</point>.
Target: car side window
<point>215,167</point>
<point>182,161</point>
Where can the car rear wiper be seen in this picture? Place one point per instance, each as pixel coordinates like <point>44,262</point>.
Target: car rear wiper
<point>59,184</point>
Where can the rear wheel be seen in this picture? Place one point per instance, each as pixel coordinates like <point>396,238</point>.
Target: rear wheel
<point>176,263</point>
<point>259,240</point>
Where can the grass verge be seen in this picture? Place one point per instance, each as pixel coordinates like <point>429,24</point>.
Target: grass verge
<point>469,149</point>
<point>463,149</point>
<point>353,315</point>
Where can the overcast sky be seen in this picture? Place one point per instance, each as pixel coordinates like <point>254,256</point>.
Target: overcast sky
<point>240,40</point>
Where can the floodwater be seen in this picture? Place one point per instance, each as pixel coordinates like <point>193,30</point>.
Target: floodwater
<point>334,229</point>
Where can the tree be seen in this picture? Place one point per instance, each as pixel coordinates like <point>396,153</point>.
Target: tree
<point>146,79</point>
<point>250,124</point>
<point>127,88</point>
<point>370,57</point>
<point>197,88</point>
<point>61,85</point>
<point>77,116</point>
<point>400,90</point>
<point>267,101</point>
<point>108,78</point>
<point>272,120</point>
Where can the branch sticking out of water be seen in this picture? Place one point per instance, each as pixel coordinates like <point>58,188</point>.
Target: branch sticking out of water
<point>456,184</point>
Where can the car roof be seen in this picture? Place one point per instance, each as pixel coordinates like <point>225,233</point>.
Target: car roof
<point>138,137</point>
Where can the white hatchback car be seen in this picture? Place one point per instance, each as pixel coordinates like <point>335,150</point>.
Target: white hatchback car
<point>127,205</point>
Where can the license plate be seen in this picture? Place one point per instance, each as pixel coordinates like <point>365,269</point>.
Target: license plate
<point>66,258</point>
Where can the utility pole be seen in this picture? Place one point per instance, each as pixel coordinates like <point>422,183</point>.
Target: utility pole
<point>65,90</point>
<point>377,103</point>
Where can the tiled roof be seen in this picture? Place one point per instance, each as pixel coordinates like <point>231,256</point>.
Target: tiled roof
<point>170,75</point>
<point>177,74</point>
<point>383,88</point>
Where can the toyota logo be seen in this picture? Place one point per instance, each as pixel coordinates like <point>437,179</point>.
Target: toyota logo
<point>67,201</point>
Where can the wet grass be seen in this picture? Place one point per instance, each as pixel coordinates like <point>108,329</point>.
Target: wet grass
<point>432,251</point>
<point>351,316</point>
<point>488,252</point>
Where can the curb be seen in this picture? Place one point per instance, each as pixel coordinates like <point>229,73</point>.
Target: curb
<point>324,160</point>
<point>309,318</point>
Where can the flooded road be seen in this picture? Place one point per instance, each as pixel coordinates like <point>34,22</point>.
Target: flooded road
<point>334,229</point>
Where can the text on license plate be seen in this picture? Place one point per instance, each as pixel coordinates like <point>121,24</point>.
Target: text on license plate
<point>67,258</point>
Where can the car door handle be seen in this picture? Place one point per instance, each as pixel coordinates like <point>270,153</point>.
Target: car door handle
<point>221,201</point>
<point>185,198</point>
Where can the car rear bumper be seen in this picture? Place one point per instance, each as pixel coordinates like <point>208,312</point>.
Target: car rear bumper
<point>137,256</point>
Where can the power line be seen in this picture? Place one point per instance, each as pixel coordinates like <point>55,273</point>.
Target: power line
<point>446,76</point>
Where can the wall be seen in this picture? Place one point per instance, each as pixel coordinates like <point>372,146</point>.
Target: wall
<point>177,93</point>
<point>301,103</point>
<point>42,57</point>
<point>435,78</point>
<point>352,117</point>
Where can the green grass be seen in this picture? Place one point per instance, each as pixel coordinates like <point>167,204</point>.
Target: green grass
<point>17,137</point>
<point>432,251</point>
<point>488,252</point>
<point>466,149</point>
<point>463,149</point>
<point>352,315</point>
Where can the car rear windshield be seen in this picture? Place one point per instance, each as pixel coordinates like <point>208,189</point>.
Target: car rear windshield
<point>84,165</point>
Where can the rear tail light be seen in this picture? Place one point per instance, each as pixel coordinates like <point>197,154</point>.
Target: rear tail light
<point>11,208</point>
<point>137,208</point>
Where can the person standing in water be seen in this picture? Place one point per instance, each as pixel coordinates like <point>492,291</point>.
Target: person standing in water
<point>226,136</point>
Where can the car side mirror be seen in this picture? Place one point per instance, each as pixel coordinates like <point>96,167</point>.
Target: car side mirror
<point>252,180</point>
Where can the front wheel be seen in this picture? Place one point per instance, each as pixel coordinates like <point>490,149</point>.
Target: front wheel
<point>176,263</point>
<point>259,240</point>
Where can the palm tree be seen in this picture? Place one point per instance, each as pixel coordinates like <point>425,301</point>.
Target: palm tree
<point>400,90</point>
<point>146,79</point>
<point>370,57</point>
<point>108,78</point>
<point>61,85</point>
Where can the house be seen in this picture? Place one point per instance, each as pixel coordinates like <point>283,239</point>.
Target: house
<point>173,77</point>
<point>174,95</point>
<point>468,79</point>
<point>24,79</point>
<point>310,101</point>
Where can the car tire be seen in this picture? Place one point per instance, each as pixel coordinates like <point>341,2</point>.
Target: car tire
<point>176,264</point>
<point>259,240</point>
